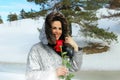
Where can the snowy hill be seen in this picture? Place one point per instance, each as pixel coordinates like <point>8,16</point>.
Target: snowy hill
<point>17,38</point>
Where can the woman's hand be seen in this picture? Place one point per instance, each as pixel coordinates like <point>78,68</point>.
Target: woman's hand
<point>71,42</point>
<point>61,71</point>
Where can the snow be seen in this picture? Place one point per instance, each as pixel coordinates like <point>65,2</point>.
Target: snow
<point>9,76</point>
<point>106,60</point>
<point>106,12</point>
<point>17,37</point>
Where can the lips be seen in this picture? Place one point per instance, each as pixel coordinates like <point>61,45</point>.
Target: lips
<point>56,36</point>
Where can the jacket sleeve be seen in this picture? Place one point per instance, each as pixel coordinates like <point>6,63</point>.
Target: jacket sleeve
<point>76,61</point>
<point>35,68</point>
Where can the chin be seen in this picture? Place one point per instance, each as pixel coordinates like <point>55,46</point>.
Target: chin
<point>57,38</point>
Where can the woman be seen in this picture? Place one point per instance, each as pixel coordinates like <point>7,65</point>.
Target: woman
<point>44,59</point>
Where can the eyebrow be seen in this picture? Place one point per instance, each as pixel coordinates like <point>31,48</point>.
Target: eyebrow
<point>56,26</point>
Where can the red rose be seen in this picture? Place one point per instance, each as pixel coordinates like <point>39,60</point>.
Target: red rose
<point>59,43</point>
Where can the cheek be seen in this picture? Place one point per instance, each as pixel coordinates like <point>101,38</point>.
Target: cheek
<point>53,31</point>
<point>61,32</point>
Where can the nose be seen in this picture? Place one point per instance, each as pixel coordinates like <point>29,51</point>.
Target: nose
<point>57,30</point>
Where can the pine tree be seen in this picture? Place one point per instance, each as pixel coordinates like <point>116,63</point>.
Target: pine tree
<point>86,18</point>
<point>1,21</point>
<point>22,14</point>
<point>12,17</point>
<point>114,4</point>
<point>39,2</point>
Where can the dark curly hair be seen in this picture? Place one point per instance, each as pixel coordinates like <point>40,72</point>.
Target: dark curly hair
<point>56,16</point>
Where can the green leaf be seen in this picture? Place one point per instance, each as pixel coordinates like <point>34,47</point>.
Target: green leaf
<point>64,53</point>
<point>68,65</point>
<point>66,62</point>
<point>62,77</point>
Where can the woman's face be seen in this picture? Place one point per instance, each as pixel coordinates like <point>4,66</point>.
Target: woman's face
<point>56,29</point>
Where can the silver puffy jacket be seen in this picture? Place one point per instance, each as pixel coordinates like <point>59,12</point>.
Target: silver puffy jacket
<point>42,61</point>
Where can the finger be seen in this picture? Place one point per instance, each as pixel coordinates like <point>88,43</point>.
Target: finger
<point>63,73</point>
<point>66,38</point>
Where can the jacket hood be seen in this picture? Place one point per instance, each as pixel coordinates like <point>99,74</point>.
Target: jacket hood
<point>42,36</point>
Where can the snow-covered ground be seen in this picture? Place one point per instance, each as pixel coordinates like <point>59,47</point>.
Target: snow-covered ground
<point>16,39</point>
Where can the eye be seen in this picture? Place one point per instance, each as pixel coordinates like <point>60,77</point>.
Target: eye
<point>60,28</point>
